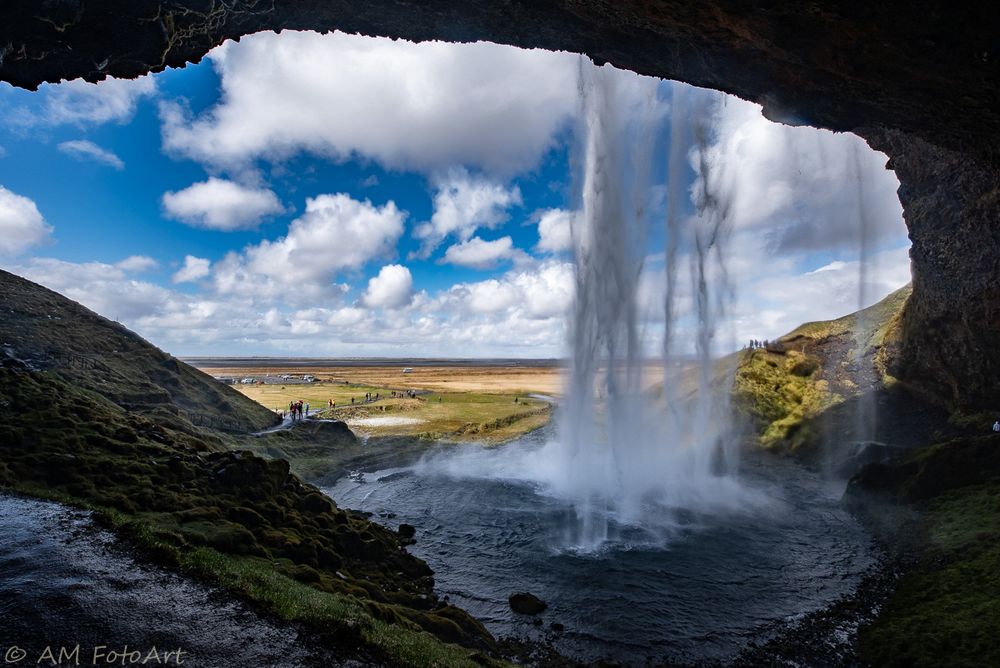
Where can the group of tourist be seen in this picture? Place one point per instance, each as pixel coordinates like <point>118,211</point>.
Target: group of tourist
<point>399,394</point>
<point>297,410</point>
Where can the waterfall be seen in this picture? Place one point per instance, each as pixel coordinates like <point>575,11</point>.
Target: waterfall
<point>865,375</point>
<point>631,454</point>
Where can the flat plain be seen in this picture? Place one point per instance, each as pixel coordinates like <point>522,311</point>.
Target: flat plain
<point>490,403</point>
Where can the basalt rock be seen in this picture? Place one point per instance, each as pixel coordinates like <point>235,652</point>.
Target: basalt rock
<point>919,80</point>
<point>951,203</point>
<point>525,603</point>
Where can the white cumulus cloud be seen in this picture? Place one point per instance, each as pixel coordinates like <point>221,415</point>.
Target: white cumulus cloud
<point>480,254</point>
<point>391,288</point>
<point>105,288</point>
<point>335,233</point>
<point>137,264</point>
<point>21,224</point>
<point>464,203</point>
<point>194,268</point>
<point>219,204</point>
<point>84,104</point>
<point>555,230</point>
<point>805,189</point>
<point>409,106</point>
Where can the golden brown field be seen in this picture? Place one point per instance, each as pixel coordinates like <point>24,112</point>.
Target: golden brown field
<point>499,379</point>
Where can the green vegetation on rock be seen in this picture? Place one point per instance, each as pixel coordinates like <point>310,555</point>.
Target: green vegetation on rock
<point>946,607</point>
<point>935,506</point>
<point>781,391</point>
<point>788,385</point>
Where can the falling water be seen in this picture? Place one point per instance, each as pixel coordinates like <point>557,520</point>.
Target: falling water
<point>630,454</point>
<point>865,415</point>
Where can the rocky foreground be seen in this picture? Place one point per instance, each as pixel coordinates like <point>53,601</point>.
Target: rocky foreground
<point>94,417</point>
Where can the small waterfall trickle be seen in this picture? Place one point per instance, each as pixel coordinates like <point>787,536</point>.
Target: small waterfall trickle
<point>865,414</point>
<point>629,454</point>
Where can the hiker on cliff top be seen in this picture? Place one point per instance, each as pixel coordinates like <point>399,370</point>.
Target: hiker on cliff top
<point>996,426</point>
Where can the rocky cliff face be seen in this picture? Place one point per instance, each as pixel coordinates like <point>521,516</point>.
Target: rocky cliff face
<point>951,202</point>
<point>920,80</point>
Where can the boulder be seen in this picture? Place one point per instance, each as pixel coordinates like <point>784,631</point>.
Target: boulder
<point>526,604</point>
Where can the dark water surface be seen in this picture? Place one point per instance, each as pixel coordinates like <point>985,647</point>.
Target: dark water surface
<point>65,582</point>
<point>699,593</point>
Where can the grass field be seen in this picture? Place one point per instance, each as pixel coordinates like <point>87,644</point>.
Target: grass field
<point>478,404</point>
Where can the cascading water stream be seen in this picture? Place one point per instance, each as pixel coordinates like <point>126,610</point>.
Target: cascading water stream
<point>630,455</point>
<point>866,409</point>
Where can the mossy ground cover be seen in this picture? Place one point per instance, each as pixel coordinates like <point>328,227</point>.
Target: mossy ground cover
<point>936,508</point>
<point>233,518</point>
<point>781,392</point>
<point>945,609</point>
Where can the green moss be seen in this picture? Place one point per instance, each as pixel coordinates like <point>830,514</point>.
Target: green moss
<point>344,617</point>
<point>781,392</point>
<point>966,519</point>
<point>946,609</point>
<point>787,387</point>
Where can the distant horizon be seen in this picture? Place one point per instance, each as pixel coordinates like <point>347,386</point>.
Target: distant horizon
<point>210,361</point>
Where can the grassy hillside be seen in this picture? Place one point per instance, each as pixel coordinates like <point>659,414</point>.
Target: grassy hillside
<point>932,495</point>
<point>52,333</point>
<point>787,387</point>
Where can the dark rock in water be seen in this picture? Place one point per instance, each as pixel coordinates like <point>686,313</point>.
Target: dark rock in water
<point>526,604</point>
<point>557,627</point>
<point>407,531</point>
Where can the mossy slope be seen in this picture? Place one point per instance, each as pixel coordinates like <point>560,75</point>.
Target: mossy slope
<point>218,513</point>
<point>50,332</point>
<point>810,384</point>
<point>933,496</point>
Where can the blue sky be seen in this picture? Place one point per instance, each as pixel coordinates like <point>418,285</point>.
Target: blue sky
<point>337,195</point>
